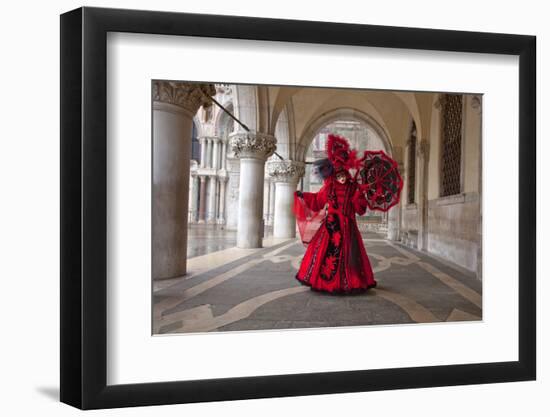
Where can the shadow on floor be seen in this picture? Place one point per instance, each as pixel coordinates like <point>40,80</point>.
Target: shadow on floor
<point>49,392</point>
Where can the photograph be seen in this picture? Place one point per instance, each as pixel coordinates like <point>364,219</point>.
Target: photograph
<point>294,207</point>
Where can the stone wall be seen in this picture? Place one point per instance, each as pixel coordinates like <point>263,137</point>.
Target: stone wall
<point>454,230</point>
<point>409,226</point>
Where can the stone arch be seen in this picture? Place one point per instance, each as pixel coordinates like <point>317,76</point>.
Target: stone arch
<point>200,125</point>
<point>195,145</point>
<point>347,114</point>
<point>410,102</point>
<point>283,100</point>
<point>222,122</point>
<point>285,132</point>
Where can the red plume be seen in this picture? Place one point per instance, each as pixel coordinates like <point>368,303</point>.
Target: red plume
<point>339,152</point>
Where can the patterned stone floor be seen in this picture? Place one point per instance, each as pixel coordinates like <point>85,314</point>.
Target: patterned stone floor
<point>255,289</point>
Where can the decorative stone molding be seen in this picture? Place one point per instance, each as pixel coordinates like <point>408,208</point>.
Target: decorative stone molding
<point>448,200</point>
<point>462,198</point>
<point>188,96</point>
<point>286,171</point>
<point>223,89</point>
<point>476,103</point>
<point>252,145</point>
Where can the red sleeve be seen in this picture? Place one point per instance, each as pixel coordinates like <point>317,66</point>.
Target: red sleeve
<point>316,201</point>
<point>359,202</point>
<point>309,216</point>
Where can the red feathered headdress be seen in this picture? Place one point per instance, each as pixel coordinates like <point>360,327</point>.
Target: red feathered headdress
<point>340,154</point>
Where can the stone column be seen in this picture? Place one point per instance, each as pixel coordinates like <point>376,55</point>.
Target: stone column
<point>192,204</point>
<point>267,189</point>
<point>196,185</point>
<point>203,151</point>
<point>217,200</point>
<point>216,153</point>
<point>271,202</point>
<point>202,199</point>
<point>286,175</point>
<point>394,217</point>
<point>174,105</point>
<point>423,154</point>
<point>208,152</point>
<point>252,149</point>
<point>224,154</point>
<point>211,204</point>
<point>223,184</point>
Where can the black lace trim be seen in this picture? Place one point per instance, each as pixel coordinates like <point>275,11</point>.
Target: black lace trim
<point>331,261</point>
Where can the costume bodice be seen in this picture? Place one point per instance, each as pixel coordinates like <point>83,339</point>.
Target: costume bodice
<point>339,197</point>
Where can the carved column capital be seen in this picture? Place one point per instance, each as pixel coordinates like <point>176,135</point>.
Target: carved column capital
<point>223,89</point>
<point>187,96</point>
<point>286,171</point>
<point>252,145</point>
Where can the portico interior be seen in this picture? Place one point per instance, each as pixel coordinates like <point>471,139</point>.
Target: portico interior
<point>209,170</point>
<point>225,249</point>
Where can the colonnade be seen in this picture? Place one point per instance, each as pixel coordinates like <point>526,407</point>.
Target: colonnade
<point>263,200</point>
<point>208,183</point>
<point>184,194</point>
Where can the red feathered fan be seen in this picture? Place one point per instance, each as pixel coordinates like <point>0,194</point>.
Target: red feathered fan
<point>380,180</point>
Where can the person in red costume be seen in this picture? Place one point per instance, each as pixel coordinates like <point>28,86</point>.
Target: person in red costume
<point>335,260</point>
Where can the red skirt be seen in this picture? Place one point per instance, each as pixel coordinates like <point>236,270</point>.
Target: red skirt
<point>336,260</point>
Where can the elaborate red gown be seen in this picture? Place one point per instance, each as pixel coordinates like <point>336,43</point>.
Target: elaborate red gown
<point>335,260</point>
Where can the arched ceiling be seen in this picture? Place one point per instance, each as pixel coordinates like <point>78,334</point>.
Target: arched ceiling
<point>391,112</point>
<point>335,115</point>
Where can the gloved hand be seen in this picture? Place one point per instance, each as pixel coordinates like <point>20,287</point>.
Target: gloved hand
<point>300,194</point>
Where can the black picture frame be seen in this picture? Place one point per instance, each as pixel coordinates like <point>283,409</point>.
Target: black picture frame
<point>84,207</point>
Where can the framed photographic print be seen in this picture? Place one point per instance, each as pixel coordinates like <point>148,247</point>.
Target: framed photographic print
<point>256,208</point>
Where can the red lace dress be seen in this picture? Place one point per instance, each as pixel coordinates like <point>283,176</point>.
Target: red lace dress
<point>335,260</point>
